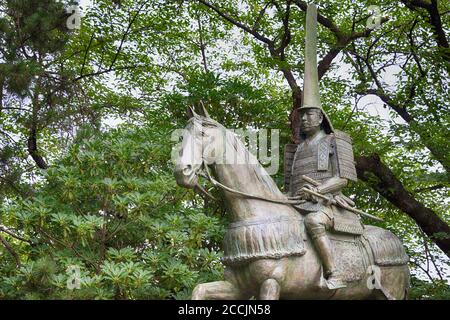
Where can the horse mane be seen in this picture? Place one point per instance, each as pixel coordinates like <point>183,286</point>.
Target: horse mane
<point>233,140</point>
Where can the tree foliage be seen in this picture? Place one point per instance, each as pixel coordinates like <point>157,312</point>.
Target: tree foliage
<point>111,208</point>
<point>74,191</point>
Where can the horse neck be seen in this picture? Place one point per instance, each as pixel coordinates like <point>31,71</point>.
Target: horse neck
<point>248,177</point>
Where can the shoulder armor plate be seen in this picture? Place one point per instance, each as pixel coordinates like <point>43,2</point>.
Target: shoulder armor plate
<point>344,155</point>
<point>289,152</point>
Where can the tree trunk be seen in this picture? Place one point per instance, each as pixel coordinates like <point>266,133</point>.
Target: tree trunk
<point>294,116</point>
<point>393,190</point>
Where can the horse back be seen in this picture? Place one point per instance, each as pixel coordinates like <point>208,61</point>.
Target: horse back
<point>356,254</point>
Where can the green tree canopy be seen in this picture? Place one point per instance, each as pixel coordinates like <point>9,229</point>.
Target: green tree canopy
<point>74,191</point>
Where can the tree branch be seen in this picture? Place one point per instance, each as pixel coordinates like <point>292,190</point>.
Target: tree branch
<point>413,4</point>
<point>5,230</point>
<point>431,188</point>
<point>100,72</point>
<point>202,44</point>
<point>260,15</point>
<point>375,173</point>
<point>342,41</point>
<point>326,22</point>
<point>413,52</point>
<point>286,34</point>
<point>434,18</point>
<point>11,251</point>
<point>238,24</point>
<point>119,50</point>
<point>32,137</point>
<point>401,111</point>
<point>33,149</point>
<point>87,52</point>
<point>438,153</point>
<point>429,254</point>
<point>277,54</point>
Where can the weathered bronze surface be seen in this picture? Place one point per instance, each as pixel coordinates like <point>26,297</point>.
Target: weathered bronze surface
<point>309,244</point>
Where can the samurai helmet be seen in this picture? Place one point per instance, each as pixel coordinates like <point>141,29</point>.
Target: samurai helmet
<point>311,96</point>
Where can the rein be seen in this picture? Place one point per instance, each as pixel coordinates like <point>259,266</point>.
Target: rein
<point>244,194</point>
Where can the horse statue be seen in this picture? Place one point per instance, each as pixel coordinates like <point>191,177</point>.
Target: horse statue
<point>267,252</point>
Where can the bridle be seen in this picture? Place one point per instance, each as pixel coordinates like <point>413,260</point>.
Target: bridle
<point>205,173</point>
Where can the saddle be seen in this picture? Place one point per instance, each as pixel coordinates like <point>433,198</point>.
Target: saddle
<point>376,246</point>
<point>346,222</point>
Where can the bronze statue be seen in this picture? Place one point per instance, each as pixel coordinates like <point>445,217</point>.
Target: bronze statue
<point>310,245</point>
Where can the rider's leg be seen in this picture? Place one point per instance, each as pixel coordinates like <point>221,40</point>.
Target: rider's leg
<point>270,290</point>
<point>316,224</point>
<point>323,246</point>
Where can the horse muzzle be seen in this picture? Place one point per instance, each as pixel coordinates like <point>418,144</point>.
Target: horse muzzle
<point>186,175</point>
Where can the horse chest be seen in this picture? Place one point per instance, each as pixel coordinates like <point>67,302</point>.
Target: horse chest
<point>273,238</point>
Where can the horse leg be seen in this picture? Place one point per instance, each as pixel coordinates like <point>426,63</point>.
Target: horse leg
<point>217,290</point>
<point>270,290</point>
<point>393,283</point>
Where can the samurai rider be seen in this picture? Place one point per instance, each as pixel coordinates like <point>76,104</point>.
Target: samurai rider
<point>325,157</point>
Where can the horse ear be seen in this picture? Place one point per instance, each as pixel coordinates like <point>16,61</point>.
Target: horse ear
<point>190,112</point>
<point>204,111</point>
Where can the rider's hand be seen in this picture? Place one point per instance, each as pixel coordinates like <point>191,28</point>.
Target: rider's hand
<point>306,195</point>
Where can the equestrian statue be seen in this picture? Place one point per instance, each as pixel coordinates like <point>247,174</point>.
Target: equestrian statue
<point>309,243</point>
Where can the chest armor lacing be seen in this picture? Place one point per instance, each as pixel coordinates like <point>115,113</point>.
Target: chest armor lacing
<point>313,160</point>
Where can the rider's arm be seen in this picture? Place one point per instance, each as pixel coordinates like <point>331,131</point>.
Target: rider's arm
<point>332,185</point>
<point>336,183</point>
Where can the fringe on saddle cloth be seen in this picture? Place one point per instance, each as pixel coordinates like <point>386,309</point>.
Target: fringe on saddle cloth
<point>257,239</point>
<point>345,221</point>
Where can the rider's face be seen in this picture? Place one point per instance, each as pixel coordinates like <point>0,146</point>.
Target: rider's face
<point>310,120</point>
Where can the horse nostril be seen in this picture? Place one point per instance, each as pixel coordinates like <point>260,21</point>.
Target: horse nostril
<point>188,170</point>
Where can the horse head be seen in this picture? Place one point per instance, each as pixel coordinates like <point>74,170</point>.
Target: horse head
<point>208,144</point>
<point>200,147</point>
